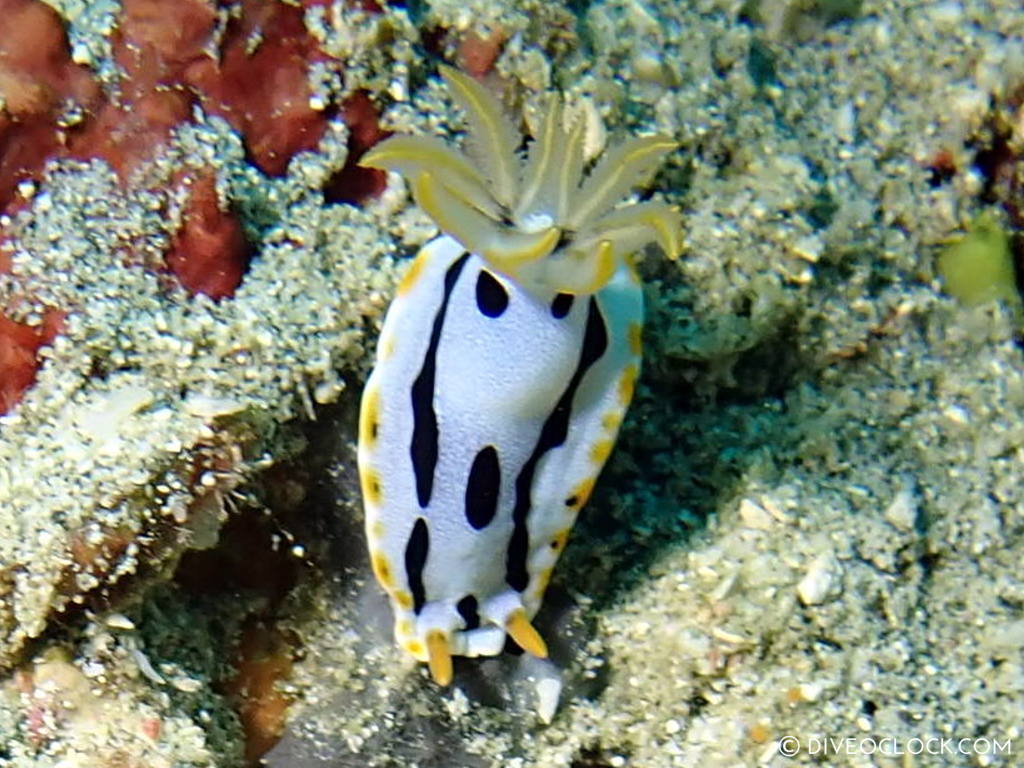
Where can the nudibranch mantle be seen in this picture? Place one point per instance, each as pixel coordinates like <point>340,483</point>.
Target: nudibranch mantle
<point>504,368</point>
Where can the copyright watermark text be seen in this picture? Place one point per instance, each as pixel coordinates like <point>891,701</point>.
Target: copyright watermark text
<point>892,746</point>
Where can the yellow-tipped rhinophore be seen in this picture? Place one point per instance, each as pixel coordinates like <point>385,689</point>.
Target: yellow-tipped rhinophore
<point>526,637</point>
<point>440,657</point>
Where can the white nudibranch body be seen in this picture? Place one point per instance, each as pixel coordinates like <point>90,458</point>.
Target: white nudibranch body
<point>504,368</point>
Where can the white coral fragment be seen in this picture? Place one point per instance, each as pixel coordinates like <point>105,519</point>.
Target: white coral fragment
<point>821,580</point>
<point>540,219</point>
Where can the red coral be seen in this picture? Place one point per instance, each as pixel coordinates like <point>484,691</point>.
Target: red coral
<point>154,43</point>
<point>353,183</point>
<point>36,77</point>
<point>37,49</point>
<point>257,80</point>
<point>6,249</point>
<point>126,136</point>
<point>477,53</point>
<point>209,254</point>
<point>164,36</point>
<point>19,346</point>
<point>260,84</point>
<point>264,661</point>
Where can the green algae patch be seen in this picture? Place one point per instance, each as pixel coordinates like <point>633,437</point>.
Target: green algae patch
<point>978,268</point>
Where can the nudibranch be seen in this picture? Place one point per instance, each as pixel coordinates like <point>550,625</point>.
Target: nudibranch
<point>504,368</point>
